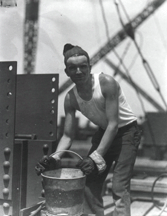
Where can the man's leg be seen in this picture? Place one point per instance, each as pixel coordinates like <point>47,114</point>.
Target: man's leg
<point>94,183</point>
<point>93,193</point>
<point>123,171</point>
<point>123,150</point>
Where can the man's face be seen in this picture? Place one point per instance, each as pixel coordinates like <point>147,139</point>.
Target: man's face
<point>78,68</point>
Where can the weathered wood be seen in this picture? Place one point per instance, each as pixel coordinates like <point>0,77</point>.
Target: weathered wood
<point>88,215</point>
<point>108,201</point>
<point>139,208</point>
<point>154,167</point>
<point>155,212</point>
<point>108,211</point>
<point>145,196</point>
<point>29,210</point>
<point>146,184</point>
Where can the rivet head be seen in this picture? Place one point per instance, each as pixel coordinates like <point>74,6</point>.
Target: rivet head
<point>7,151</point>
<point>6,178</point>
<point>6,164</point>
<point>5,193</point>
<point>6,207</point>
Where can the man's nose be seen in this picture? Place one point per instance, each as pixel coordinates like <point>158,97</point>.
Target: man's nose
<point>78,71</point>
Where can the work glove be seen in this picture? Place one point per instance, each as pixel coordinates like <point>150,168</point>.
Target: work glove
<point>87,165</point>
<point>45,164</point>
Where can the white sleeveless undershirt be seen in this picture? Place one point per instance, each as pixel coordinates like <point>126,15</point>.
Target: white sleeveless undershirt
<point>94,109</point>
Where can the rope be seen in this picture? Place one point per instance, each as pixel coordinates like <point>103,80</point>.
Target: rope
<point>107,34</point>
<point>130,33</point>
<point>152,194</point>
<point>121,59</point>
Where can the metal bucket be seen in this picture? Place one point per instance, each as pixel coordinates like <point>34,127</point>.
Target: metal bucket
<point>64,191</point>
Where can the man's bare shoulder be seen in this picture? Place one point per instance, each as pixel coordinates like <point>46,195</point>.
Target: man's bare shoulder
<point>70,100</point>
<point>107,82</point>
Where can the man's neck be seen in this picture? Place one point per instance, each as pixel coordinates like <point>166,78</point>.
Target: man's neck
<point>85,90</point>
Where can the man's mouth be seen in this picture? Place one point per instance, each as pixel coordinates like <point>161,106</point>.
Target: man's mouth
<point>79,76</point>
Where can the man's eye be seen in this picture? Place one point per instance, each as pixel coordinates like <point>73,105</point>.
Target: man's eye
<point>72,68</point>
<point>83,67</point>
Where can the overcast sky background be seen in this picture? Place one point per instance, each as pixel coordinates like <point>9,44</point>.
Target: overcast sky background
<point>80,22</point>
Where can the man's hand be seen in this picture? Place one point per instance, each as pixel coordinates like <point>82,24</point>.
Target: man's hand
<point>87,165</point>
<point>45,164</point>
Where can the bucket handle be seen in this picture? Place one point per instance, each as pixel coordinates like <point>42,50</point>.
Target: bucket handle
<point>69,152</point>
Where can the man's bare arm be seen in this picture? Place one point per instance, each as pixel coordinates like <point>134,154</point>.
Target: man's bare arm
<point>68,135</point>
<point>110,90</point>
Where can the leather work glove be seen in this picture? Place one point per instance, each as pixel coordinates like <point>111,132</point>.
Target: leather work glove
<point>87,165</point>
<point>45,164</point>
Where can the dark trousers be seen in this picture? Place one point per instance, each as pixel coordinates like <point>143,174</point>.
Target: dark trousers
<point>123,152</point>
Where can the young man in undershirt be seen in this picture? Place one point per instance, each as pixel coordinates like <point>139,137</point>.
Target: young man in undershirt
<point>99,98</point>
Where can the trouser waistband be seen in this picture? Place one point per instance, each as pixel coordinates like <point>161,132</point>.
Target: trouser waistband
<point>126,127</point>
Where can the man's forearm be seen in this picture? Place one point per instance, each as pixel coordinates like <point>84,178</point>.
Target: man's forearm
<point>106,140</point>
<point>64,144</point>
<point>105,143</point>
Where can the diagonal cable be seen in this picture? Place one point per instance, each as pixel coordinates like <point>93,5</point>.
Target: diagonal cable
<point>129,31</point>
<point>121,60</point>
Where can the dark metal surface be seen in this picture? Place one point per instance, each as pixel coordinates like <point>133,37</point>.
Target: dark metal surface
<point>19,183</point>
<point>155,133</point>
<point>7,110</point>
<point>36,107</point>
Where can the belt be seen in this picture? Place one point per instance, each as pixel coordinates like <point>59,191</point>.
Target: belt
<point>134,123</point>
<point>126,127</point>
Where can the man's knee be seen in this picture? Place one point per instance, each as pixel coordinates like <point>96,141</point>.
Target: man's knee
<point>120,189</point>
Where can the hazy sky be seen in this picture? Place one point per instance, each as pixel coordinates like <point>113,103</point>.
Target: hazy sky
<point>81,22</point>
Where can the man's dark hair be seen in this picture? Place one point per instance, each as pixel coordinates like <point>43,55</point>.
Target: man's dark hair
<point>67,47</point>
<point>71,50</point>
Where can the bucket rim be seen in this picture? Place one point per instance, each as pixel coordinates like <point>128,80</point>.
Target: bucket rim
<point>53,177</point>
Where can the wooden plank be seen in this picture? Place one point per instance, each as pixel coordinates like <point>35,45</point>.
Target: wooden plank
<point>146,185</point>
<point>145,196</point>
<point>153,164</point>
<point>88,215</point>
<point>108,211</point>
<point>154,167</point>
<point>108,201</point>
<point>27,211</point>
<point>140,208</point>
<point>155,212</point>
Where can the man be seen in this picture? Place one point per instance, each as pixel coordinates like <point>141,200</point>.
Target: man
<point>100,98</point>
